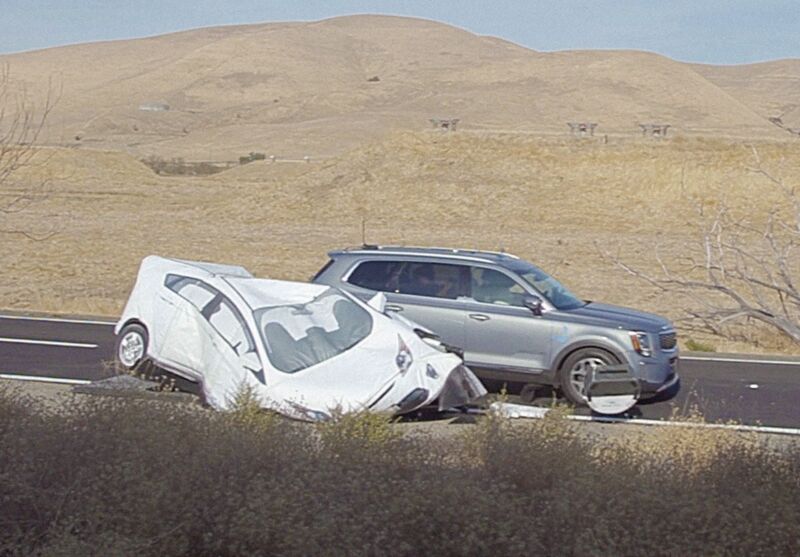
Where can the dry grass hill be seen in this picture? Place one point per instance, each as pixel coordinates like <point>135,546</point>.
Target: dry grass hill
<point>509,178</point>
<point>771,88</point>
<point>323,87</point>
<point>559,203</point>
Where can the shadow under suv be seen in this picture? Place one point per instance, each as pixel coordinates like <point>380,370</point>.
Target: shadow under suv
<point>513,321</point>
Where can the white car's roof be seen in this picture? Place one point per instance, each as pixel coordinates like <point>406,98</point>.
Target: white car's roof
<point>210,268</point>
<point>259,293</point>
<point>154,266</point>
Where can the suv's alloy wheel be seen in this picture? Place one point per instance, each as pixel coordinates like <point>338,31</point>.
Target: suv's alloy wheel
<point>575,368</point>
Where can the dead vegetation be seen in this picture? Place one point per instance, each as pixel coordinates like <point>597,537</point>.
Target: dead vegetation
<point>21,124</point>
<point>123,477</point>
<point>180,167</point>
<point>743,267</point>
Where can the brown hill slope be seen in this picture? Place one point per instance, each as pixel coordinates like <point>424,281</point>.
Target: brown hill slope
<point>554,202</point>
<point>771,88</point>
<point>321,87</point>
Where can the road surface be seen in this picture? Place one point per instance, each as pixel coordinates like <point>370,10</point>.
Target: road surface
<point>752,390</point>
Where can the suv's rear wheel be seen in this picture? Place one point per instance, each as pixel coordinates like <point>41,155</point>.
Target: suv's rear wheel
<point>576,366</point>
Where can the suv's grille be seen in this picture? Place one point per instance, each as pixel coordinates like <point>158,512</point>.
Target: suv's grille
<point>668,340</point>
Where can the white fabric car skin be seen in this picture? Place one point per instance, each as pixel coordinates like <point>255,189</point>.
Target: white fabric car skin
<point>306,350</point>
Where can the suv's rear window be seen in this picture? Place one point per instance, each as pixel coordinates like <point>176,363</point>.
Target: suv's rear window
<point>438,280</point>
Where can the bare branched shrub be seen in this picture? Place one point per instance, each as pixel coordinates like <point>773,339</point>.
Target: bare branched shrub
<point>21,125</point>
<point>744,267</point>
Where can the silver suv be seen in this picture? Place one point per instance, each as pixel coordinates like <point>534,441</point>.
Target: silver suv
<point>514,322</point>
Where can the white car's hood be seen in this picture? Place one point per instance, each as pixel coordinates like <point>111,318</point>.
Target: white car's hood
<point>367,376</point>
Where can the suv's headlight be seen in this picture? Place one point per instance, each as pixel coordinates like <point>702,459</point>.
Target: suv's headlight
<point>641,343</point>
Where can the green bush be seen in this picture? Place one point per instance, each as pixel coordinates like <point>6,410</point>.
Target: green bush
<point>126,477</point>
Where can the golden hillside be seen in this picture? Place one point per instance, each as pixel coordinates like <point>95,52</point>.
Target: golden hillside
<point>320,88</point>
<point>558,203</point>
<point>771,88</point>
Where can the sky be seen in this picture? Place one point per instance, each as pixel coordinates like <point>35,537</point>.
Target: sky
<point>709,31</point>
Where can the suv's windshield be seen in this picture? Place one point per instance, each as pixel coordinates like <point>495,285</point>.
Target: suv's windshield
<point>302,335</point>
<point>555,292</point>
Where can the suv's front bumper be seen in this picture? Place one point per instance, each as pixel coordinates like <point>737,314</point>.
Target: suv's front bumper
<point>656,374</point>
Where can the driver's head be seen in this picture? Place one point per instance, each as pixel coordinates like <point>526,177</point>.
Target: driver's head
<point>424,274</point>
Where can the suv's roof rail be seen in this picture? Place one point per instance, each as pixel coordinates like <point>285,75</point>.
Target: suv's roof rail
<point>426,250</point>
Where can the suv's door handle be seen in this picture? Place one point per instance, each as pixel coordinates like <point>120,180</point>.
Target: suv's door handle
<point>393,307</point>
<point>479,317</point>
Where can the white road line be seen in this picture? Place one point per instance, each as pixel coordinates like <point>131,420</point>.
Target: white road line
<point>741,361</point>
<point>59,320</point>
<point>512,410</point>
<point>44,379</point>
<point>642,421</point>
<point>47,342</point>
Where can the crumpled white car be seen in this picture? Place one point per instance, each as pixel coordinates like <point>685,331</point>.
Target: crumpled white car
<point>305,350</point>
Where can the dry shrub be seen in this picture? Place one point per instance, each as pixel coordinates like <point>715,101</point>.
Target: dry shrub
<point>691,451</point>
<point>359,430</point>
<point>246,411</point>
<point>126,477</point>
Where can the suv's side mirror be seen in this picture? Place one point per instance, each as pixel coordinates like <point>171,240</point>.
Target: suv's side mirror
<point>533,303</point>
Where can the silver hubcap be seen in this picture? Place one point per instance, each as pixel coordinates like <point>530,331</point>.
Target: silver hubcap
<point>131,349</point>
<point>577,374</point>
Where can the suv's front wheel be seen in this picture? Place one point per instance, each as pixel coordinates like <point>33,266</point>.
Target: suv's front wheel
<point>574,369</point>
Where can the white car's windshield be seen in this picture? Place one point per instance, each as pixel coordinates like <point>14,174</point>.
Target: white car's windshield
<point>555,292</point>
<point>301,335</point>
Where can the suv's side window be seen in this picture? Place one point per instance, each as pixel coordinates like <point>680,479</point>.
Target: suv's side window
<point>493,287</point>
<point>437,280</point>
<point>378,275</point>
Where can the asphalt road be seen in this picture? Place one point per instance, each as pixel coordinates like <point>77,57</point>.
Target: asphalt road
<point>750,390</point>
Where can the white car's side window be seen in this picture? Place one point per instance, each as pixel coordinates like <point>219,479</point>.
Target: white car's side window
<point>219,311</point>
<point>196,294</point>
<point>191,289</point>
<point>227,323</point>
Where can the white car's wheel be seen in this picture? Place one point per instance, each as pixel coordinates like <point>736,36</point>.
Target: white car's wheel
<point>131,346</point>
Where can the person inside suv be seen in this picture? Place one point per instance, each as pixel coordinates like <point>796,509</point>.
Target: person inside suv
<point>491,287</point>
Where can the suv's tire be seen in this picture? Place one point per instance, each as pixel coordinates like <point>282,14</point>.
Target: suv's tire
<point>131,348</point>
<point>574,369</point>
